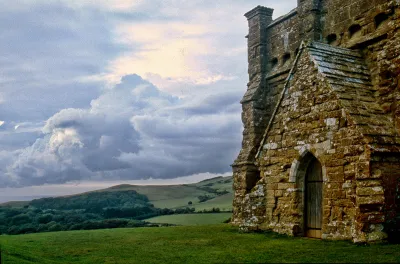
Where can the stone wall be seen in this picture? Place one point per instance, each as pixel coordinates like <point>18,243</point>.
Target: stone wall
<point>310,119</point>
<point>353,21</point>
<point>360,166</point>
<point>374,27</point>
<point>255,114</point>
<point>267,73</point>
<point>283,43</point>
<point>384,188</point>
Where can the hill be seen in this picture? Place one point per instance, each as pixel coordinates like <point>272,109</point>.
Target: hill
<point>121,206</point>
<point>185,244</point>
<point>215,192</point>
<point>14,204</point>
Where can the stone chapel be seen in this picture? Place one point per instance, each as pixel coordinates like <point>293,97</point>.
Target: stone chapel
<point>321,143</point>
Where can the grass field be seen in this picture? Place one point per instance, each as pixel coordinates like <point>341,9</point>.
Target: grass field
<point>223,202</point>
<point>195,244</point>
<point>191,219</point>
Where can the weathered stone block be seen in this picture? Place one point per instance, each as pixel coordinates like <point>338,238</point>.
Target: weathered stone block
<point>368,191</point>
<point>375,199</point>
<point>285,186</point>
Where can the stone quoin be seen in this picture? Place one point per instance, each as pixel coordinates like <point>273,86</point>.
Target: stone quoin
<point>321,143</point>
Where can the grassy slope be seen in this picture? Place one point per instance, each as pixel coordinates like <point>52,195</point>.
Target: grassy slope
<point>175,196</point>
<point>197,244</point>
<point>191,219</point>
<point>223,202</point>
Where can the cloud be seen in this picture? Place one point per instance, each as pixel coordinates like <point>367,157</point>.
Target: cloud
<point>131,131</point>
<point>125,89</point>
<point>47,49</point>
<point>191,42</point>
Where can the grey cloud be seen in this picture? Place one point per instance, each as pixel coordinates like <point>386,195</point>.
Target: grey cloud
<point>45,49</point>
<point>214,103</point>
<point>131,131</point>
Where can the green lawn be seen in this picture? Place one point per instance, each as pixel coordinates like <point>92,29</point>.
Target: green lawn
<point>183,244</point>
<point>191,219</point>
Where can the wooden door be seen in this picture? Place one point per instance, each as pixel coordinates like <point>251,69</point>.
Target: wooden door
<point>313,201</point>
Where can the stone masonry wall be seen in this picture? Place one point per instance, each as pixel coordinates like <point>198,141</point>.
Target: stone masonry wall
<point>374,27</point>
<point>265,38</point>
<point>352,21</point>
<point>360,195</point>
<point>255,114</point>
<point>384,188</point>
<point>283,41</point>
<point>310,119</point>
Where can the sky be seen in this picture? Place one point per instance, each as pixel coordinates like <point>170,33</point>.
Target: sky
<point>95,92</point>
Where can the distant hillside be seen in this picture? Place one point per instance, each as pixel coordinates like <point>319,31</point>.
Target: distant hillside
<point>214,192</point>
<point>14,204</point>
<point>119,206</point>
<point>93,201</point>
<point>171,196</point>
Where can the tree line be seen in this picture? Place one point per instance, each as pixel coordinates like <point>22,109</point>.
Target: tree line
<point>86,211</point>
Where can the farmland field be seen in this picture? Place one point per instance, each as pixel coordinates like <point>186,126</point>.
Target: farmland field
<point>223,202</point>
<point>184,244</point>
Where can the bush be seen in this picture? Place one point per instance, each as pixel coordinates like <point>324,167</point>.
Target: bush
<point>27,228</point>
<point>42,228</point>
<point>55,227</point>
<point>213,210</point>
<point>44,219</point>
<point>3,229</point>
<point>20,219</point>
<point>135,223</point>
<point>203,198</point>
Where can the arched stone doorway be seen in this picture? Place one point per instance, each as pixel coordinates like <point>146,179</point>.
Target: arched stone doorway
<point>308,174</point>
<point>313,199</point>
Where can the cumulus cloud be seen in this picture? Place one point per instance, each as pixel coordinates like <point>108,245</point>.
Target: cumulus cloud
<point>131,131</point>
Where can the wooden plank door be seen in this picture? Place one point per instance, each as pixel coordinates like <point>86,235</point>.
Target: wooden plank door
<point>313,201</point>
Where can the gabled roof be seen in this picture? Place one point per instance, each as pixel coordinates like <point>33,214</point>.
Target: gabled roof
<point>348,76</point>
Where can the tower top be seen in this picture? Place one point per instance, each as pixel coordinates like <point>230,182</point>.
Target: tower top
<point>259,10</point>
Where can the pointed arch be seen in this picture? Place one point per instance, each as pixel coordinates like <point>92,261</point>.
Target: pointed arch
<point>308,164</point>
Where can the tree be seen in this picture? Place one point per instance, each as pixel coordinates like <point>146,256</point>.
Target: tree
<point>44,219</point>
